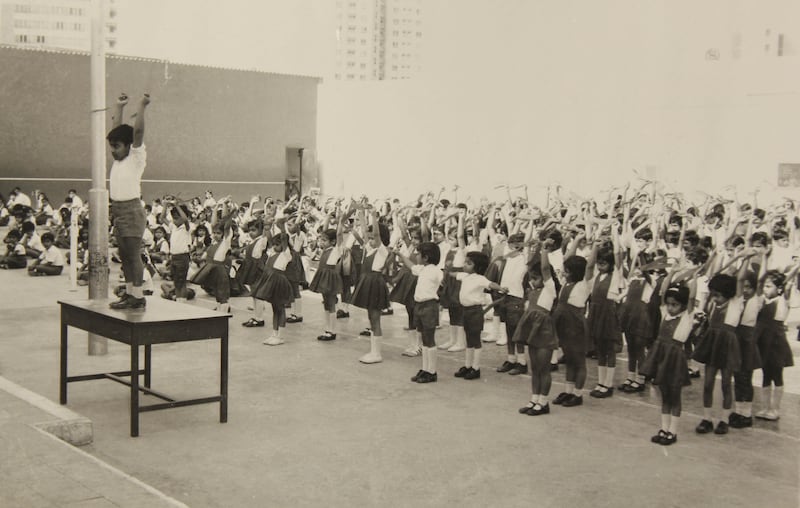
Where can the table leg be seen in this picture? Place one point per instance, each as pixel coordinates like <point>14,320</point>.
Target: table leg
<point>62,383</point>
<point>223,379</point>
<point>147,358</point>
<point>134,388</point>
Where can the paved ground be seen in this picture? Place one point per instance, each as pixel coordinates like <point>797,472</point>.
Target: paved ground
<point>310,426</point>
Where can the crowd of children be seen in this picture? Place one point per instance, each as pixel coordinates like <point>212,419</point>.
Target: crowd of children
<point>677,284</point>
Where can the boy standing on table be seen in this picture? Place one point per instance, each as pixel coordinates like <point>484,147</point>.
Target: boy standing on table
<point>125,189</point>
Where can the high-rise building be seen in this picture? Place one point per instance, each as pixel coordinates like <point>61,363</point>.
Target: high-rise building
<point>378,39</point>
<point>64,24</point>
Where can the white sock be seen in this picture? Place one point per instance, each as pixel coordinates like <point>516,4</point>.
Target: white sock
<point>554,357</point>
<point>707,414</point>
<point>476,359</point>
<point>512,358</point>
<point>331,321</point>
<point>258,309</point>
<point>297,307</point>
<point>496,327</point>
<point>673,424</point>
<point>432,360</point>
<point>578,392</point>
<point>277,333</point>
<point>180,300</point>
<point>609,382</point>
<point>425,355</point>
<point>569,387</point>
<point>522,358</point>
<point>469,354</point>
<point>137,292</point>
<point>601,375</point>
<point>543,399</point>
<point>129,288</point>
<point>665,421</point>
<point>632,376</point>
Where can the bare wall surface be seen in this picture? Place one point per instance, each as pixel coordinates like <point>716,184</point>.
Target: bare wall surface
<point>205,124</point>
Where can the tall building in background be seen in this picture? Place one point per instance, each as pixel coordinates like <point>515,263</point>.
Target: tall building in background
<point>63,24</point>
<point>378,39</point>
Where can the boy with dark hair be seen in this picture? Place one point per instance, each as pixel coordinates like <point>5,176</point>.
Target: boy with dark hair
<point>130,158</point>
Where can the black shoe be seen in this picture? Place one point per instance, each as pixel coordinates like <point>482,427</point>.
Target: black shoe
<point>327,336</point>
<point>507,366</point>
<point>252,323</point>
<point>366,332</point>
<point>733,417</point>
<point>526,409</point>
<point>387,312</point>
<point>722,428</point>
<point>340,314</point>
<point>625,386</point>
<point>600,394</point>
<point>417,375</point>
<point>668,439</point>
<point>129,303</point>
<point>294,319</point>
<point>561,360</point>
<point>553,367</point>
<point>539,409</point>
<point>704,427</point>
<point>741,422</point>
<point>518,369</point>
<point>427,377</point>
<point>122,298</point>
<point>473,374</point>
<point>462,371</point>
<point>573,400</point>
<point>694,374</point>
<point>561,397</point>
<point>658,437</point>
<point>592,355</point>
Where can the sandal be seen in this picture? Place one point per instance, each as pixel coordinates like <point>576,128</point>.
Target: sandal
<point>624,387</point>
<point>252,323</point>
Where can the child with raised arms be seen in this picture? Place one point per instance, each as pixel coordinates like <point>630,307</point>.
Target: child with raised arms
<point>328,278</point>
<point>275,287</point>
<point>426,307</point>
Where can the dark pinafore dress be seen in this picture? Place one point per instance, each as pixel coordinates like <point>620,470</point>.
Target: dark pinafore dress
<point>327,279</point>
<point>250,270</point>
<point>751,359</point>
<point>535,327</point>
<point>719,347</point>
<point>569,322</point>
<point>371,291</point>
<point>602,323</point>
<point>274,285</point>
<point>214,276</point>
<point>770,335</point>
<point>634,317</point>
<point>450,288</point>
<point>666,363</point>
<point>405,284</point>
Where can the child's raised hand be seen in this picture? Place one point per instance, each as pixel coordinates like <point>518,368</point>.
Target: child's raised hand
<point>122,100</point>
<point>145,99</point>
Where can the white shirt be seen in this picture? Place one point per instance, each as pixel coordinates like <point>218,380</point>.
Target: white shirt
<point>125,180</point>
<point>472,288</point>
<point>334,256</point>
<point>77,201</point>
<point>282,260</point>
<point>579,294</point>
<point>428,279</point>
<point>556,259</point>
<point>52,256</point>
<point>379,261</point>
<point>684,328</point>
<point>224,246</point>
<point>750,312</point>
<point>513,274</point>
<point>548,295</point>
<point>180,239</point>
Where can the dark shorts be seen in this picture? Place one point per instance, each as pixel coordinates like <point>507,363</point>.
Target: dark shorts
<point>456,314</point>
<point>179,268</point>
<point>511,310</point>
<point>473,325</point>
<point>426,315</point>
<point>129,218</point>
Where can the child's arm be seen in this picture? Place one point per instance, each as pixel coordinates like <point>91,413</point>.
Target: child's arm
<point>460,230</point>
<point>138,124</point>
<point>545,262</point>
<point>116,118</point>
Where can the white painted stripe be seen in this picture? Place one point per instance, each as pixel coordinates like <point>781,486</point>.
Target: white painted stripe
<point>152,490</point>
<point>211,182</point>
<point>36,400</point>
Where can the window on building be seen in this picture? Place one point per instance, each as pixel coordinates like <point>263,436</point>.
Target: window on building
<point>111,28</point>
<point>40,39</point>
<point>112,43</point>
<point>351,76</point>
<point>22,38</point>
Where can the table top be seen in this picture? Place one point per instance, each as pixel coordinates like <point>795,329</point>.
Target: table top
<point>158,310</point>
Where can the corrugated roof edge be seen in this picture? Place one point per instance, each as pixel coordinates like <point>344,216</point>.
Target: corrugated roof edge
<point>143,59</point>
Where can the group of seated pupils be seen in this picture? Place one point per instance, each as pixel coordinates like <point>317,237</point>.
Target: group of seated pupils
<point>682,286</point>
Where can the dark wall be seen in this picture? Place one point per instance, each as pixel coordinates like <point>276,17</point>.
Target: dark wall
<point>204,124</point>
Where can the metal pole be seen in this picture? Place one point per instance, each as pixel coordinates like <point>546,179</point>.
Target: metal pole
<point>98,194</point>
<point>300,180</point>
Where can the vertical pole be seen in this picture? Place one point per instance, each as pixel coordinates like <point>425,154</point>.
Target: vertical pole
<point>98,194</point>
<point>73,249</point>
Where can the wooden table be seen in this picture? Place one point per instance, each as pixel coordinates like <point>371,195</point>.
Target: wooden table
<point>162,322</point>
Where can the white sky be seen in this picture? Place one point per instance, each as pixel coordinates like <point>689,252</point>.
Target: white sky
<point>523,91</point>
